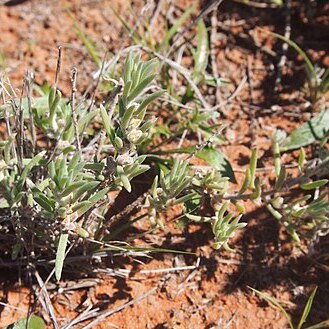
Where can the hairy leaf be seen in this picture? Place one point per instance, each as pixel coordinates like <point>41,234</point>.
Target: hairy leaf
<point>315,129</point>
<point>218,160</point>
<point>60,255</point>
<point>32,322</point>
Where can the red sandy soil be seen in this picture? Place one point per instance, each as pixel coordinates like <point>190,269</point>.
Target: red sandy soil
<point>215,294</point>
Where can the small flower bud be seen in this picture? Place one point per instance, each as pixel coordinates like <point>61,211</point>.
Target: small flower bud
<point>118,142</point>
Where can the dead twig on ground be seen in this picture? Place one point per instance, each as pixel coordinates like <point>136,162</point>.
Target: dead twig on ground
<point>45,301</point>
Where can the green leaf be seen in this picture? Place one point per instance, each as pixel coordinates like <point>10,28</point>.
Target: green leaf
<point>137,38</point>
<point>81,204</point>
<point>34,161</point>
<point>88,44</point>
<point>301,159</point>
<point>307,309</point>
<point>140,87</point>
<point>95,166</point>
<point>218,160</point>
<point>323,324</point>
<point>127,68</point>
<point>172,31</point>
<point>148,100</point>
<point>144,249</point>
<point>276,303</point>
<point>281,178</point>
<point>51,97</point>
<point>253,167</point>
<point>84,188</point>
<point>202,52</point>
<point>44,202</point>
<point>246,181</point>
<point>92,201</point>
<point>72,187</point>
<point>308,133</point>
<point>107,123</point>
<point>84,120</point>
<point>299,50</point>
<point>74,162</point>
<point>125,182</point>
<point>127,116</point>
<point>33,322</point>
<point>60,255</point>
<point>314,185</point>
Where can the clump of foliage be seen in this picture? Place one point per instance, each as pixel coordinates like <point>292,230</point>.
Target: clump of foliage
<point>53,178</point>
<point>61,158</point>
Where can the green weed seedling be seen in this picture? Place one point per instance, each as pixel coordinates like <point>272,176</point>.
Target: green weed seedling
<point>317,78</point>
<point>304,316</point>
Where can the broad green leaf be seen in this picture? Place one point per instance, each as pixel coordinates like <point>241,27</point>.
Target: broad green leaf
<point>74,161</point>
<point>60,255</point>
<point>127,88</point>
<point>309,132</point>
<point>33,322</point>
<point>148,67</point>
<point>218,160</point>
<point>69,149</point>
<point>318,207</point>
